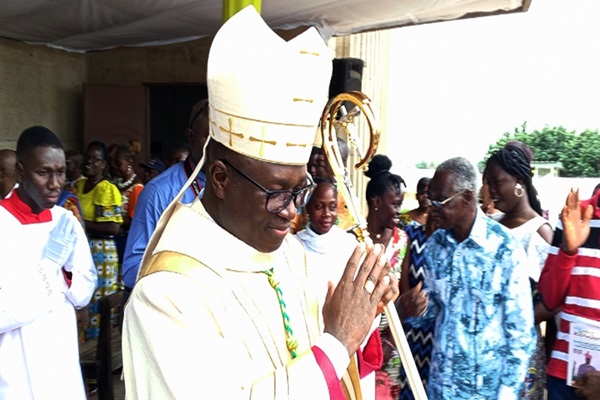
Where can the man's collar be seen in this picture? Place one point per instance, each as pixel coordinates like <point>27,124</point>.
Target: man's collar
<point>22,212</point>
<point>190,160</point>
<point>479,230</point>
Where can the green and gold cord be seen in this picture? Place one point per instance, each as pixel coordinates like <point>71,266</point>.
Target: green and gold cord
<point>291,342</point>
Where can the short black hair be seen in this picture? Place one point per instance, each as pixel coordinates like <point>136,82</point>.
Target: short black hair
<point>96,144</point>
<point>423,184</point>
<point>34,137</point>
<point>199,108</point>
<point>321,180</point>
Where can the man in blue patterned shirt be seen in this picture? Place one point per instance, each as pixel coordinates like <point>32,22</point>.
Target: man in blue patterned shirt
<point>479,286</point>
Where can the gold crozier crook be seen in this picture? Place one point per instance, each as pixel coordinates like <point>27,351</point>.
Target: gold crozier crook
<point>336,118</point>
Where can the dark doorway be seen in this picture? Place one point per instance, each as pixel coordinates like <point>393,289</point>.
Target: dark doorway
<point>116,114</point>
<point>169,115</point>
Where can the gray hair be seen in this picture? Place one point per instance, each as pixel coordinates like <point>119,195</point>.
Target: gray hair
<point>463,171</point>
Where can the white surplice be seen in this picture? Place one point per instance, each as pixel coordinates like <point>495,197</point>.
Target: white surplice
<point>39,355</point>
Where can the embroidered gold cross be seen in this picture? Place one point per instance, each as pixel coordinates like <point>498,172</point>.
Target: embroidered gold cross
<point>262,141</point>
<point>311,53</point>
<point>288,144</point>
<point>231,132</point>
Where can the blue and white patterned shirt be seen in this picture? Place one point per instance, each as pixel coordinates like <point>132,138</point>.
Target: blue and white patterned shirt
<point>485,332</point>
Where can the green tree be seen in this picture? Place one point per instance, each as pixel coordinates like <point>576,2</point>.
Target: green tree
<point>578,153</point>
<point>584,156</point>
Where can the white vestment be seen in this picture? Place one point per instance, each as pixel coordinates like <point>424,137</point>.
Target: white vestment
<point>39,355</point>
<point>204,322</point>
<point>327,256</point>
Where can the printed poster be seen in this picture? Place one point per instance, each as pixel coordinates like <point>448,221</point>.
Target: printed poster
<point>584,351</point>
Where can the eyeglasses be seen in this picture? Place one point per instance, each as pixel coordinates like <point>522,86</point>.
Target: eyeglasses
<point>440,204</point>
<point>278,200</point>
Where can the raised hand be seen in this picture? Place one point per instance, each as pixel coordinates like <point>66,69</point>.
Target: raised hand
<point>351,306</point>
<point>576,226</point>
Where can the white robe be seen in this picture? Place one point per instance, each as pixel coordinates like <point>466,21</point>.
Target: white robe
<point>39,355</point>
<point>204,322</point>
<point>534,244</point>
<point>327,256</point>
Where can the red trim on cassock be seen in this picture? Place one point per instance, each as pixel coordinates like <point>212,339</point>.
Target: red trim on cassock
<point>336,392</point>
<point>22,212</point>
<point>68,276</point>
<point>371,358</point>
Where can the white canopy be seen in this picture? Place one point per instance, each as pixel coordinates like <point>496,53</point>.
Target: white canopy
<point>83,25</point>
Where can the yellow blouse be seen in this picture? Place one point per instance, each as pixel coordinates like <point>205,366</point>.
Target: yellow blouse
<point>102,203</point>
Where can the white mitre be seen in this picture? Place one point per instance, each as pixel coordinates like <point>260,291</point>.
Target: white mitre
<point>266,95</point>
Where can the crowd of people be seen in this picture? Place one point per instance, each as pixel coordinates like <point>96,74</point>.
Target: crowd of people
<point>242,276</point>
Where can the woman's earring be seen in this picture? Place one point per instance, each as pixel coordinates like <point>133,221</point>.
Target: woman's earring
<point>129,169</point>
<point>376,209</point>
<point>519,191</point>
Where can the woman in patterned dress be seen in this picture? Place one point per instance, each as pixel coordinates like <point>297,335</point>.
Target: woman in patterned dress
<point>385,194</point>
<point>509,178</point>
<point>419,330</point>
<point>101,207</point>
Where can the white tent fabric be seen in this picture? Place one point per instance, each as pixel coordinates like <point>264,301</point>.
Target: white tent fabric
<point>84,25</point>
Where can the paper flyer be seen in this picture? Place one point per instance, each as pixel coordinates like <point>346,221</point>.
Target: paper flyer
<point>584,351</point>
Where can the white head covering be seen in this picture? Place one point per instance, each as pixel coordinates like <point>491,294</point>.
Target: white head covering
<point>266,95</point>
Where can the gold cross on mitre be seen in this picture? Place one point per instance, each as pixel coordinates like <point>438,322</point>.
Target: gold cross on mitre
<point>261,151</point>
<point>231,132</point>
<point>255,104</point>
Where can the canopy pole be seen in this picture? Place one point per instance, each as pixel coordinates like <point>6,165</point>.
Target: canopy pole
<point>230,7</point>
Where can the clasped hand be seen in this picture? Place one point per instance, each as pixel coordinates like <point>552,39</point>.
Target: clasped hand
<point>351,306</point>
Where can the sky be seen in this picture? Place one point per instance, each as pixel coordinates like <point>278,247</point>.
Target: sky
<point>456,87</point>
